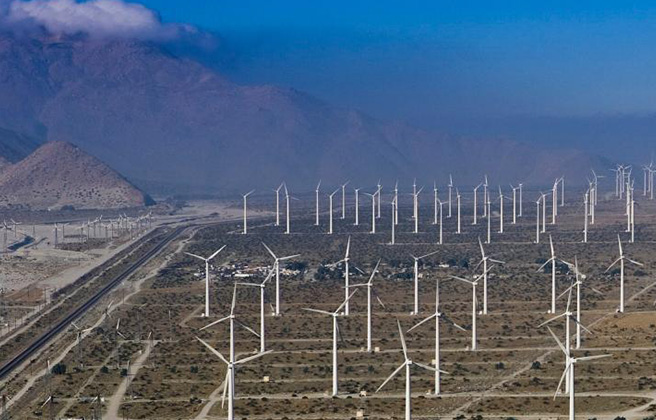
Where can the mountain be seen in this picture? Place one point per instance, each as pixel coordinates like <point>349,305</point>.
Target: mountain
<point>165,120</point>
<point>60,174</point>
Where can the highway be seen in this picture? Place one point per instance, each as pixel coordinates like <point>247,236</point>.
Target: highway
<point>61,325</point>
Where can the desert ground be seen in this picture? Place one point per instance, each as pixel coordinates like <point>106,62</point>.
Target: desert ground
<point>139,357</point>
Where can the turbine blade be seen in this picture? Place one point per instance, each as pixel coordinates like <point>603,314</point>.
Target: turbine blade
<point>405,349</point>
<point>562,378</point>
<point>216,253</point>
<point>213,350</point>
<point>423,321</point>
<point>558,342</point>
<point>253,357</point>
<point>391,376</point>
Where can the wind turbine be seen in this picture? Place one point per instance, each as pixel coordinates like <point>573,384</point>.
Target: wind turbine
<point>369,285</point>
<point>514,200</point>
<point>277,190</point>
<point>245,196</point>
<point>357,206</point>
<point>441,220</point>
<point>621,260</point>
<point>486,270</point>
<point>407,363</point>
<point>474,283</point>
<point>488,205</point>
<point>450,191</point>
<point>344,199</point>
<point>330,211</point>
<point>379,189</point>
<point>416,279</point>
<point>521,201</point>
<point>288,218</point>
<point>437,316</point>
<point>501,198</point>
<point>553,260</point>
<point>232,363</point>
<point>262,287</point>
<point>207,276</point>
<point>336,333</point>
<point>569,372</point>
<point>476,203</point>
<point>276,267</point>
<point>393,221</point>
<point>373,211</point>
<point>415,198</point>
<point>458,204</point>
<point>396,200</point>
<point>486,198</point>
<point>316,200</point>
<point>585,223</point>
<point>537,222</point>
<point>435,200</point>
<point>346,261</point>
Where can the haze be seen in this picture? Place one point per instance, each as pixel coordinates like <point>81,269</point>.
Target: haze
<point>554,73</point>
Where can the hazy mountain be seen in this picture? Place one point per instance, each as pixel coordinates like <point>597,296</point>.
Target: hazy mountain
<point>60,174</point>
<point>160,119</point>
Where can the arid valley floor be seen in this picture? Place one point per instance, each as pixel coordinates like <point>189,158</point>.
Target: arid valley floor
<point>141,359</point>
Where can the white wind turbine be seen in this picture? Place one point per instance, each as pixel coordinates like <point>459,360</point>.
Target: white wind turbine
<point>396,200</point>
<point>437,316</point>
<point>544,212</point>
<point>578,283</point>
<point>569,373</point>
<point>245,196</point>
<point>336,335</point>
<point>514,199</point>
<point>586,198</point>
<point>357,206</point>
<point>330,211</point>
<point>393,221</point>
<point>207,276</point>
<point>229,383</point>
<point>621,260</point>
<point>277,190</point>
<point>521,200</point>
<point>441,220</point>
<point>416,279</point>
<point>435,200</point>
<point>346,261</point>
<point>287,210</point>
<point>474,283</point>
<point>415,198</point>
<point>373,212</point>
<point>476,203</point>
<point>537,222</point>
<point>407,363</point>
<point>344,199</point>
<point>488,206</point>
<point>501,198</point>
<point>450,193</point>
<point>316,202</point>
<point>379,189</point>
<point>553,260</point>
<point>568,336</point>
<point>458,204</point>
<point>486,270</point>
<point>486,198</point>
<point>369,285</point>
<point>262,287</point>
<point>276,267</point>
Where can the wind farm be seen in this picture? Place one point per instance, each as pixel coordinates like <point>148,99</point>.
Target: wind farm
<point>314,318</point>
<point>327,211</point>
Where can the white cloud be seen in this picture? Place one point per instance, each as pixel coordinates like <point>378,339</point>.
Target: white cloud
<point>114,18</point>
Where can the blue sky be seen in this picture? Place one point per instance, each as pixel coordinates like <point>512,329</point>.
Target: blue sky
<point>451,65</point>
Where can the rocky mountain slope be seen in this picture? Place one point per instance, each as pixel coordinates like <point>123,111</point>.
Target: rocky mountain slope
<point>60,174</point>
